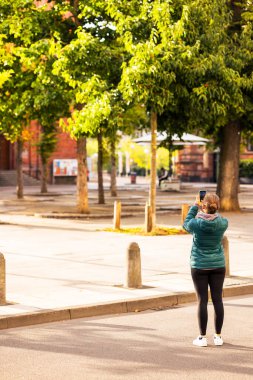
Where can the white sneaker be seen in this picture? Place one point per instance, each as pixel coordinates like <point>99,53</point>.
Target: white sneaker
<point>218,341</point>
<point>200,341</point>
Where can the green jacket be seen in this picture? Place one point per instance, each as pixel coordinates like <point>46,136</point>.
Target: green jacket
<point>207,249</point>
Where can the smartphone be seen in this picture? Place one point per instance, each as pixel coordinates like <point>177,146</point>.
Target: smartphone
<point>202,194</point>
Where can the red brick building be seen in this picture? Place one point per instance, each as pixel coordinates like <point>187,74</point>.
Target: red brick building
<point>65,149</point>
<point>196,164</point>
<point>7,155</point>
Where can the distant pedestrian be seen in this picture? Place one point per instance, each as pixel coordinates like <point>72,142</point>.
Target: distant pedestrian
<point>207,261</point>
<point>163,175</point>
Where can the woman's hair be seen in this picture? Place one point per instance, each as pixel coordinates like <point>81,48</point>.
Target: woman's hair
<point>211,203</point>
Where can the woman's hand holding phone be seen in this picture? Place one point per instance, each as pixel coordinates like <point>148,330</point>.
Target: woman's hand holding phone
<point>199,197</point>
<point>197,201</point>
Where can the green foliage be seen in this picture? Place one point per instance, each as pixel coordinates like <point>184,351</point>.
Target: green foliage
<point>47,143</point>
<point>5,76</point>
<point>138,154</point>
<point>189,60</point>
<point>29,89</point>
<point>246,168</point>
<point>92,147</point>
<point>90,65</point>
<point>162,158</point>
<point>223,82</point>
<point>145,77</point>
<point>171,47</point>
<point>89,119</point>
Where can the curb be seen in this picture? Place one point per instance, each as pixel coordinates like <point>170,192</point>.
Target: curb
<point>80,216</point>
<point>118,307</point>
<point>127,214</point>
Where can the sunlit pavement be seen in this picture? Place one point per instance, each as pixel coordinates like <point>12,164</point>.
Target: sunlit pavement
<point>66,264</point>
<point>55,263</point>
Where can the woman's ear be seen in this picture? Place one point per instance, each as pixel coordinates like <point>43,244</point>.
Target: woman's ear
<point>204,207</point>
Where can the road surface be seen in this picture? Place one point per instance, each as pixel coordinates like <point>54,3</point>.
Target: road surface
<point>148,345</point>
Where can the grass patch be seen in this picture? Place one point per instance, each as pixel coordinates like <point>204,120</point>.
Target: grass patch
<point>158,231</point>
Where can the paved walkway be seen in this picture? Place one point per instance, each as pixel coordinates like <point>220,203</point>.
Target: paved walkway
<point>64,263</point>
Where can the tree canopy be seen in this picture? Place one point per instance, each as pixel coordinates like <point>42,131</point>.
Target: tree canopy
<point>188,62</point>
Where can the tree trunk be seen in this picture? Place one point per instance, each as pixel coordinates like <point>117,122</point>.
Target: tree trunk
<point>20,181</point>
<point>228,181</point>
<point>170,161</point>
<point>237,9</point>
<point>44,172</point>
<point>113,170</point>
<point>101,198</point>
<point>152,191</point>
<point>76,11</point>
<point>82,183</point>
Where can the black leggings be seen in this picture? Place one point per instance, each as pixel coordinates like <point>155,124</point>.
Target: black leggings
<point>214,278</point>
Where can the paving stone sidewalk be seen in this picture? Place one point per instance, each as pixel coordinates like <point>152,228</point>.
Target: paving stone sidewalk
<point>59,268</point>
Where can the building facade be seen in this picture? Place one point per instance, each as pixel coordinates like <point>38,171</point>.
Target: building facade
<point>193,163</point>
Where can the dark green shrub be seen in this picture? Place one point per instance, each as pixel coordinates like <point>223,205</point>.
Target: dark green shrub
<point>246,168</point>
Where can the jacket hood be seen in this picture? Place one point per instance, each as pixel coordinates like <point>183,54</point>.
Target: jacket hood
<point>206,216</point>
<point>209,222</point>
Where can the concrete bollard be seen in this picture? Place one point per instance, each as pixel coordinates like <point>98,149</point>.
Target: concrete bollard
<point>148,218</point>
<point>225,244</point>
<point>184,212</point>
<point>2,280</point>
<point>117,215</point>
<point>133,267</point>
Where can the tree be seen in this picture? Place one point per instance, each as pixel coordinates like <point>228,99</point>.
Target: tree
<point>29,90</point>
<point>101,197</point>
<point>212,65</point>
<point>46,146</point>
<point>90,65</point>
<point>124,119</point>
<point>99,25</point>
<point>50,98</point>
<point>239,114</point>
<point>152,34</point>
<point>78,65</point>
<point>221,97</point>
<point>14,100</point>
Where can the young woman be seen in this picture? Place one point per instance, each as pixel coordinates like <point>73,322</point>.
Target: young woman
<point>207,261</point>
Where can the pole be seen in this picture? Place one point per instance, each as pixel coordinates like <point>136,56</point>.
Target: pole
<point>2,280</point>
<point>225,244</point>
<point>152,190</point>
<point>117,214</point>
<point>133,267</point>
<point>184,212</point>
<point>148,218</point>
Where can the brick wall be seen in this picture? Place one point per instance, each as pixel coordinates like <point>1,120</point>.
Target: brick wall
<point>65,148</point>
<point>7,158</point>
<point>195,164</point>
<point>246,155</point>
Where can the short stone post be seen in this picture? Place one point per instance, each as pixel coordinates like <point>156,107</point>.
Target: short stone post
<point>117,215</point>
<point>184,212</point>
<point>133,267</point>
<point>148,218</point>
<point>2,280</point>
<point>225,244</point>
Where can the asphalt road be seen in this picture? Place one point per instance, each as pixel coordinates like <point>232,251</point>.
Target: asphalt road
<point>147,345</point>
